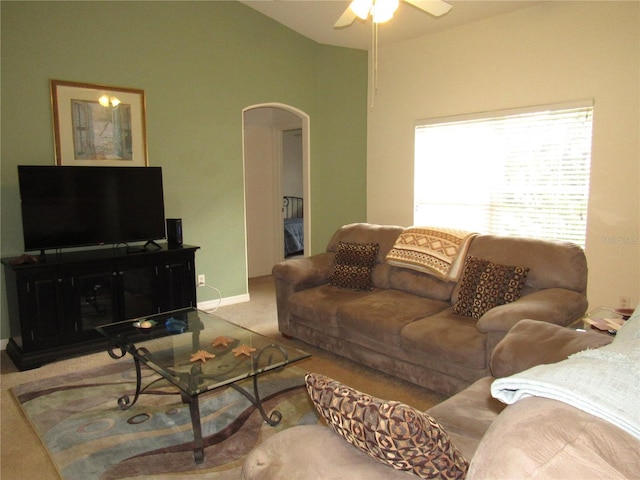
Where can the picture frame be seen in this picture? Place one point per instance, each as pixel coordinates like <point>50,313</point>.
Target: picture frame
<point>98,125</point>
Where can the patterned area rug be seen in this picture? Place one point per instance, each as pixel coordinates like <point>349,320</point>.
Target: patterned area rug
<point>89,437</point>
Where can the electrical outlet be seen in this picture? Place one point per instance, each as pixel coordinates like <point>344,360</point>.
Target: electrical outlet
<point>201,281</point>
<point>625,301</point>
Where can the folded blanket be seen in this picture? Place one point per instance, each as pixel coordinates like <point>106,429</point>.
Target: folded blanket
<point>438,251</point>
<point>604,382</point>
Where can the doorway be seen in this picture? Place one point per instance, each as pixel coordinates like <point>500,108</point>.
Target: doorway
<point>276,168</point>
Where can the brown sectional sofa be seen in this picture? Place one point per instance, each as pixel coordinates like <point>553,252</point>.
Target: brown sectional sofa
<point>406,325</point>
<point>535,437</point>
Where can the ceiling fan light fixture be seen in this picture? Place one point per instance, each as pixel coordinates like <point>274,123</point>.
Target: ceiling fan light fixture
<point>361,8</point>
<point>383,10</point>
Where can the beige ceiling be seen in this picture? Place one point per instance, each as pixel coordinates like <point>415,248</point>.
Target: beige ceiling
<point>315,18</point>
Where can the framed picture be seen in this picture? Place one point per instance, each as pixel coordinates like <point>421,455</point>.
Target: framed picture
<point>97,125</point>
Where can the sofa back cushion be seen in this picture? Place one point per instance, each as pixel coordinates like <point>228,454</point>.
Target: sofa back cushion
<point>383,235</point>
<point>421,284</point>
<point>551,264</point>
<point>385,275</point>
<point>364,233</point>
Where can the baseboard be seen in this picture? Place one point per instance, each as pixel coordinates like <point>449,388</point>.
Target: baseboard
<point>206,306</point>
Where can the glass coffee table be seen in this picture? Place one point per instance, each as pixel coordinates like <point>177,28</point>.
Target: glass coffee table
<point>197,352</point>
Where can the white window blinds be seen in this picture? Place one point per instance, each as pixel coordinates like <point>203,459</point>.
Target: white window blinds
<point>523,173</point>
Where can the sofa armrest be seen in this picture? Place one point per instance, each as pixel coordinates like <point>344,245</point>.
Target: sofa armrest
<point>552,305</point>
<point>307,271</point>
<point>294,275</point>
<point>540,438</point>
<point>532,342</point>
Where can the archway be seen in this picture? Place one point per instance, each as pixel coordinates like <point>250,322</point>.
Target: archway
<point>264,128</point>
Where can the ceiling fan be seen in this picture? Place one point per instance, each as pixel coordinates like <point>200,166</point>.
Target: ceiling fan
<point>382,10</point>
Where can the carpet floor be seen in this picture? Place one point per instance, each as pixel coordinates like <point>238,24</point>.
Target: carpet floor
<point>23,455</point>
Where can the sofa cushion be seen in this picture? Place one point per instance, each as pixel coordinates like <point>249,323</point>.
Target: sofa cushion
<point>318,307</point>
<point>391,432</point>
<point>450,338</point>
<point>486,285</point>
<point>412,281</point>
<point>354,265</point>
<point>384,313</point>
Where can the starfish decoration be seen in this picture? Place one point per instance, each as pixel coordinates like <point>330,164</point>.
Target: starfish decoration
<point>202,356</point>
<point>243,350</point>
<point>221,342</point>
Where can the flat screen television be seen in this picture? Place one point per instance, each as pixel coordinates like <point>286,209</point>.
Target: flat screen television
<point>69,206</point>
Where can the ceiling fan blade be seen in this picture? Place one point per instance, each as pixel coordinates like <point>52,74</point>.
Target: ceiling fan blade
<point>345,19</point>
<point>436,8</point>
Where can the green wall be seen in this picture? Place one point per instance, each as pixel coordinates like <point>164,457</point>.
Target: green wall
<point>199,63</point>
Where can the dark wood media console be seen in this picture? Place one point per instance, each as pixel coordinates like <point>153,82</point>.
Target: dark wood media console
<point>55,304</point>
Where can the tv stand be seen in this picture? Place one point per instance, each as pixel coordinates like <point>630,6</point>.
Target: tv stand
<point>55,306</point>
<point>151,243</point>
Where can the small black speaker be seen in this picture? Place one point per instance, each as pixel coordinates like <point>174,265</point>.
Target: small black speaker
<point>174,232</point>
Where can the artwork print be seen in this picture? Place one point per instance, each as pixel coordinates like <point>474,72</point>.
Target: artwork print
<point>96,125</point>
<point>101,132</point>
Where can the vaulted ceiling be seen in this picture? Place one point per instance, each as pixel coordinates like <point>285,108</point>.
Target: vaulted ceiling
<point>315,18</point>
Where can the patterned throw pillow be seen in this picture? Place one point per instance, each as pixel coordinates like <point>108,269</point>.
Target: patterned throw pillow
<point>486,285</point>
<point>391,432</point>
<point>354,265</point>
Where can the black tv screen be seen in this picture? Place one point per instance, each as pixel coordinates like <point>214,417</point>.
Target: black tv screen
<point>80,206</point>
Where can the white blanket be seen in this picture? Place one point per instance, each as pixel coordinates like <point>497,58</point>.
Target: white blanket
<point>604,382</point>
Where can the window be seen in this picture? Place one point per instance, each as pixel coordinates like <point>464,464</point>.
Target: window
<point>523,173</point>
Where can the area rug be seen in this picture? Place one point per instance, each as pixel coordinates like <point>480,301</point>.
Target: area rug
<point>89,437</point>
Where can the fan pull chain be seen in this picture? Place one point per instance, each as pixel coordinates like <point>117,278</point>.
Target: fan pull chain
<point>374,62</point>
